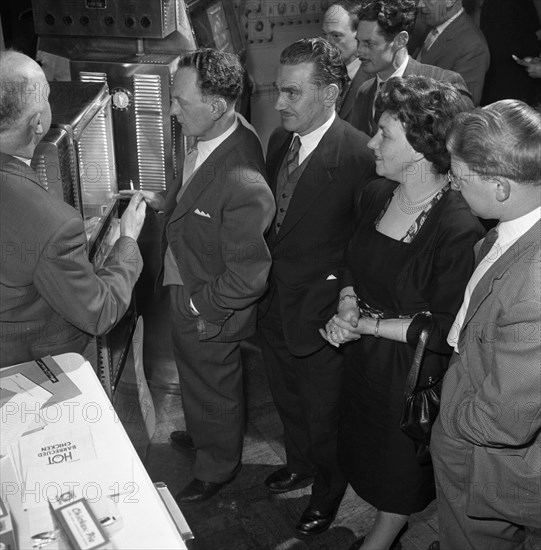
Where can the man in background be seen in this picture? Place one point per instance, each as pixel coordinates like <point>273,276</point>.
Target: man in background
<point>318,165</point>
<point>340,28</point>
<point>382,35</point>
<point>51,299</point>
<point>454,43</point>
<point>486,442</point>
<point>216,262</point>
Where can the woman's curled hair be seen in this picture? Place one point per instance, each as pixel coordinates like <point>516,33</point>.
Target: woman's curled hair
<point>426,108</point>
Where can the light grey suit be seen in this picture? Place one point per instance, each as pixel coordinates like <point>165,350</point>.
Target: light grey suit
<point>486,443</point>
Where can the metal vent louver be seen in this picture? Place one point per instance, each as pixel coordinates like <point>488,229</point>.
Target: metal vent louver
<point>168,14</point>
<point>95,163</point>
<point>85,76</point>
<point>149,131</point>
<point>41,171</point>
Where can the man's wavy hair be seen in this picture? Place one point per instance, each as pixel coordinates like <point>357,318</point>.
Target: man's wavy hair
<point>500,140</point>
<point>393,16</point>
<point>426,108</point>
<point>328,64</point>
<point>219,73</point>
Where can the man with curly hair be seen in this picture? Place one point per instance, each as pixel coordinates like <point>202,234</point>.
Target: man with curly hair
<point>216,262</point>
<point>383,33</point>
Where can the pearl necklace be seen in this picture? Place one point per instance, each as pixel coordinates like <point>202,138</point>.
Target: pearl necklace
<point>412,207</point>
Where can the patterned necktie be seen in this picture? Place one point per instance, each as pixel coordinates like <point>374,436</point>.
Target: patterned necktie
<point>293,156</point>
<point>376,114</point>
<point>490,238</point>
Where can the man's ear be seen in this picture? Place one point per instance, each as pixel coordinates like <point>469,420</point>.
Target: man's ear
<point>401,40</point>
<point>218,106</point>
<point>36,124</point>
<point>330,94</point>
<point>503,189</point>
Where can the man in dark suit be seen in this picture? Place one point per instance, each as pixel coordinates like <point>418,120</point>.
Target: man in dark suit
<point>454,43</point>
<point>382,36</point>
<point>318,164</point>
<point>486,442</point>
<point>511,29</point>
<point>340,28</point>
<point>216,262</point>
<point>51,299</point>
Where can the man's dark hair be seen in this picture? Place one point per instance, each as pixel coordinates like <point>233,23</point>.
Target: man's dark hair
<point>328,64</point>
<point>350,6</point>
<point>219,73</point>
<point>393,16</point>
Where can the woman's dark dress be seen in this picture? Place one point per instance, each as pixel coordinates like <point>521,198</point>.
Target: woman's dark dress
<point>428,274</point>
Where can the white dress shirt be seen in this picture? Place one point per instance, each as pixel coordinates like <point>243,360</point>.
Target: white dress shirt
<point>310,141</point>
<point>508,233</point>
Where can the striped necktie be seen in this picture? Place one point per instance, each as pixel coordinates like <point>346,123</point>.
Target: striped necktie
<point>376,114</point>
<point>293,155</point>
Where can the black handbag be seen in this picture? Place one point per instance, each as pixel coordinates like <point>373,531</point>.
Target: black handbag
<point>421,403</point>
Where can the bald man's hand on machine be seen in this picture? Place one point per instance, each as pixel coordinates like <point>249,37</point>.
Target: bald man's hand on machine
<point>133,218</point>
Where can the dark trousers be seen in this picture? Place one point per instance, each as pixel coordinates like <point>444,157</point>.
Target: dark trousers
<point>306,392</point>
<point>210,376</point>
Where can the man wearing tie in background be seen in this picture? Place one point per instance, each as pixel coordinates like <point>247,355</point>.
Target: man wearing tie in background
<point>339,28</point>
<point>318,165</point>
<point>486,442</point>
<point>454,43</point>
<point>384,29</point>
<point>51,299</point>
<point>216,262</point>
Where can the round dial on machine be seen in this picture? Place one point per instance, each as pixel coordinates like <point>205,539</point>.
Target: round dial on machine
<point>121,99</point>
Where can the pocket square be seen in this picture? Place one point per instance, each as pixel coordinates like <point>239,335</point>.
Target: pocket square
<point>331,277</point>
<point>201,213</point>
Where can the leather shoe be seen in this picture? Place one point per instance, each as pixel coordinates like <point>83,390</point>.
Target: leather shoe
<point>283,481</point>
<point>314,521</point>
<point>182,440</point>
<point>434,545</point>
<point>198,491</point>
<point>397,545</point>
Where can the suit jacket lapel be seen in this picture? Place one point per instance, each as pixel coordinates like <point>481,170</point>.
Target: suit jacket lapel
<point>441,45</point>
<point>411,67</point>
<point>522,247</point>
<point>317,175</point>
<point>279,159</point>
<point>204,175</point>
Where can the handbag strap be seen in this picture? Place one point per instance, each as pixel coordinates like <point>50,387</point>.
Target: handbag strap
<point>413,376</point>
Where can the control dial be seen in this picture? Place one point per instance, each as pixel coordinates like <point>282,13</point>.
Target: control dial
<point>121,99</point>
